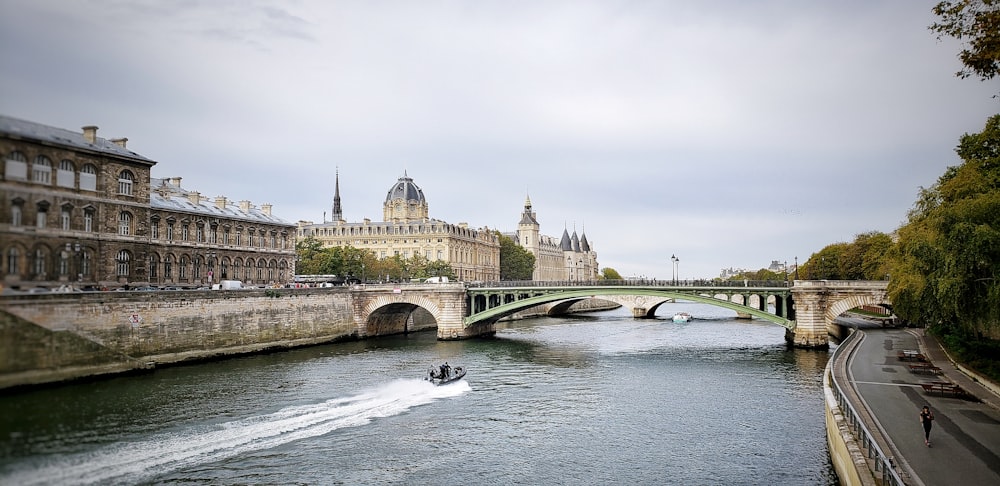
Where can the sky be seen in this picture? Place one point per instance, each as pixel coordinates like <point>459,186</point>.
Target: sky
<point>724,133</point>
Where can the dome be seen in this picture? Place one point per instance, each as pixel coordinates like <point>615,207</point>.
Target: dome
<point>406,190</point>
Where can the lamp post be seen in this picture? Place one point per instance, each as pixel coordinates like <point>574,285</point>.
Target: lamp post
<point>211,268</point>
<point>796,267</point>
<point>676,267</point>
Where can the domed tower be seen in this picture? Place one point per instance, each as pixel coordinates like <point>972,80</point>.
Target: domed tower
<point>404,202</point>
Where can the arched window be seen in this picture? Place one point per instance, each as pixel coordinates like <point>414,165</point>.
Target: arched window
<point>154,264</point>
<point>88,177</point>
<point>66,177</point>
<point>182,269</point>
<point>38,264</point>
<point>125,182</point>
<point>168,267</point>
<point>123,262</point>
<point>125,223</point>
<point>13,261</point>
<point>85,263</point>
<point>16,167</point>
<point>41,170</point>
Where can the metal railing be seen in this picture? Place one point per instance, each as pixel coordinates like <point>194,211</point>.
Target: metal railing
<point>884,466</point>
<point>634,283</point>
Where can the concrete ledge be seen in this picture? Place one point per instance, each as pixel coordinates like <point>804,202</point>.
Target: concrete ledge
<point>845,453</point>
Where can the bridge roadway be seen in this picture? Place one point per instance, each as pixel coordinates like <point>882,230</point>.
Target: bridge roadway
<point>965,436</point>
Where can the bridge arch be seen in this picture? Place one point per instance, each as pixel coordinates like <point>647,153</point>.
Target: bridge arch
<point>850,302</point>
<point>398,314</point>
<point>510,301</point>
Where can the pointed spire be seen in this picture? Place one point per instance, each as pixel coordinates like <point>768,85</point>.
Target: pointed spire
<point>338,213</point>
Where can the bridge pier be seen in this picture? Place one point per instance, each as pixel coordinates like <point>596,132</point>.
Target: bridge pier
<point>639,312</point>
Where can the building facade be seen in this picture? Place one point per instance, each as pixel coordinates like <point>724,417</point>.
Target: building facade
<point>408,231</point>
<point>80,210</point>
<point>570,258</point>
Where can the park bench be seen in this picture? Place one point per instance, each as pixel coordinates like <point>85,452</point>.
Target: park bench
<point>943,388</point>
<point>911,355</point>
<point>925,368</point>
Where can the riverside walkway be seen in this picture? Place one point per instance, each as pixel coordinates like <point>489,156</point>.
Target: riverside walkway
<point>889,393</point>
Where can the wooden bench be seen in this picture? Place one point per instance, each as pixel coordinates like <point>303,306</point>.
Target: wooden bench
<point>943,388</point>
<point>910,355</point>
<point>926,368</point>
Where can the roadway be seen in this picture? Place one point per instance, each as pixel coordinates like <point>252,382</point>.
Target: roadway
<point>965,438</point>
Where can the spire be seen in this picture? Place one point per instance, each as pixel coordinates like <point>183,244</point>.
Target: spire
<point>528,216</point>
<point>338,214</point>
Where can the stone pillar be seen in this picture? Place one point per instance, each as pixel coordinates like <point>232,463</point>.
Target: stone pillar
<point>810,315</point>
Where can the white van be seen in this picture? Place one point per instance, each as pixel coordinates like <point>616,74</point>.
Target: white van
<point>228,285</point>
<point>437,280</point>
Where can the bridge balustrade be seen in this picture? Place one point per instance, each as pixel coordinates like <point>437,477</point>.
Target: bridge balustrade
<point>631,283</point>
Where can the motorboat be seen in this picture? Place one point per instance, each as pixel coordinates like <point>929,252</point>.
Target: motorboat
<point>682,317</point>
<point>445,374</point>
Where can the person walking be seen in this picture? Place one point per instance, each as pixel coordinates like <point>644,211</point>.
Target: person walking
<point>926,417</point>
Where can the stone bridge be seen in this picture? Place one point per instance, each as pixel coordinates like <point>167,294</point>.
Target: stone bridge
<point>52,337</point>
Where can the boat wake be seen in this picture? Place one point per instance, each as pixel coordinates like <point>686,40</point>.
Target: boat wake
<point>134,462</point>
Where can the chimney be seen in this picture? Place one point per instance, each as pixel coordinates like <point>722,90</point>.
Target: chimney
<point>194,197</point>
<point>245,206</point>
<point>266,208</point>
<point>90,133</point>
<point>119,141</point>
<point>176,181</point>
<point>220,202</point>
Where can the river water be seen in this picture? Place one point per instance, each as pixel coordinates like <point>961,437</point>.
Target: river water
<point>595,399</point>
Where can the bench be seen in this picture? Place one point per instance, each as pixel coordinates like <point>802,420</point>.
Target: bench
<point>926,368</point>
<point>910,355</point>
<point>943,388</point>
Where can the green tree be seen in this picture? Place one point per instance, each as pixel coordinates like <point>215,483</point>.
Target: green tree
<point>946,264</point>
<point>608,273</point>
<point>516,263</point>
<point>977,24</point>
<point>308,252</point>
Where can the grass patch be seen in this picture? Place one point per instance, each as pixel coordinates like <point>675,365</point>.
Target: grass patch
<point>980,354</point>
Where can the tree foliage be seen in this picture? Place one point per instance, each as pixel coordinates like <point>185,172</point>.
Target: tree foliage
<point>946,263</point>
<point>608,273</point>
<point>348,261</point>
<point>863,259</point>
<point>516,263</point>
<point>977,24</point>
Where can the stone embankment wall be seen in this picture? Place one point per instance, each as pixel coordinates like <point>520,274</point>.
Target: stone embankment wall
<point>57,337</point>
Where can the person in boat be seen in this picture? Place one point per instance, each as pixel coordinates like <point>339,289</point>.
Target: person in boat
<point>444,370</point>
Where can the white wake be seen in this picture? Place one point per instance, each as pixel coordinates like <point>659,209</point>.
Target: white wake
<point>134,461</point>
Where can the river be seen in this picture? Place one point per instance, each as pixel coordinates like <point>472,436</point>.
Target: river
<point>600,398</point>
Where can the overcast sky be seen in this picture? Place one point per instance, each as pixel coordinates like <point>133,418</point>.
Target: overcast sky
<point>727,133</point>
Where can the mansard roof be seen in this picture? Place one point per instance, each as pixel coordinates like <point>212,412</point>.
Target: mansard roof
<point>169,196</point>
<point>46,135</point>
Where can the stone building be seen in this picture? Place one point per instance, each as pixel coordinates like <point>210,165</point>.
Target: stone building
<point>408,230</point>
<point>81,210</point>
<point>570,258</point>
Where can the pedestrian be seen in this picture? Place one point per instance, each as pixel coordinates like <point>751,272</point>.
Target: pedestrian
<point>926,417</point>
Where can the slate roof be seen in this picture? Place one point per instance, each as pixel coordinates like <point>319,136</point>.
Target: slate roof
<point>166,196</point>
<point>26,130</point>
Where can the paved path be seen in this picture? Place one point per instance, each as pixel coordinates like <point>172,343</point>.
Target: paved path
<point>965,438</point>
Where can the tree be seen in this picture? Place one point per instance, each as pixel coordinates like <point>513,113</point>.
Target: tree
<point>608,273</point>
<point>977,24</point>
<point>516,263</point>
<point>308,252</point>
<point>946,264</point>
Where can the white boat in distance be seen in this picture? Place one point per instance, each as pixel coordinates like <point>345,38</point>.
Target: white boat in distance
<point>682,317</point>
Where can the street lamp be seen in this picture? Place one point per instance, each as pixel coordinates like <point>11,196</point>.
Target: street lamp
<point>796,268</point>
<point>211,268</point>
<point>676,266</point>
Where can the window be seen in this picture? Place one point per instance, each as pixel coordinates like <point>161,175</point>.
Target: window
<point>124,223</point>
<point>63,263</point>
<point>184,232</point>
<point>41,215</point>
<point>88,220</point>
<point>125,182</point>
<point>38,264</point>
<point>170,231</point>
<point>226,236</point>
<point>64,218</point>
<point>250,238</point>
<point>15,215</point>
<point>84,264</point>
<point>182,268</point>
<point>239,237</point>
<point>199,233</point>
<point>122,263</point>
<point>153,264</point>
<point>214,235</point>
<point>154,229</point>
<point>41,170</point>
<point>16,167</point>
<point>88,177</point>
<point>66,175</point>
<point>13,258</point>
